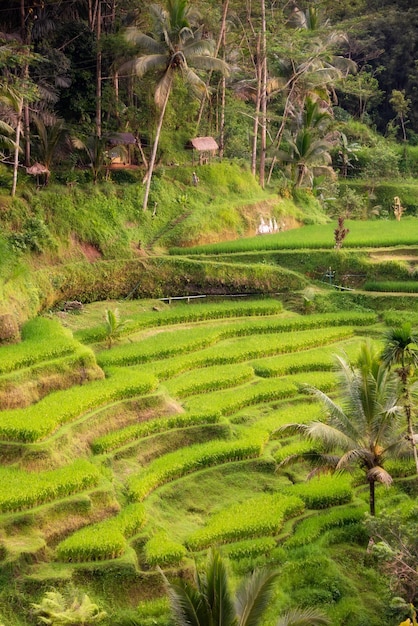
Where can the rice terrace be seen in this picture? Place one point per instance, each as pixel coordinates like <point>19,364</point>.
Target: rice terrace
<point>136,435</point>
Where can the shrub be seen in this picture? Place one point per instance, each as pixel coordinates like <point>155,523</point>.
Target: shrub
<point>126,435</point>
<point>410,286</point>
<point>181,462</point>
<point>103,540</point>
<point>42,339</point>
<point>309,529</point>
<point>261,515</point>
<point>19,489</point>
<point>250,548</point>
<point>38,420</point>
<point>324,491</point>
<point>163,551</point>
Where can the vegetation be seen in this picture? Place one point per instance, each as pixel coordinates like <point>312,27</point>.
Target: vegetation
<point>151,360</point>
<point>365,432</point>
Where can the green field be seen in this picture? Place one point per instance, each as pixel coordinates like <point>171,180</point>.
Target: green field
<point>174,450</point>
<point>123,457</point>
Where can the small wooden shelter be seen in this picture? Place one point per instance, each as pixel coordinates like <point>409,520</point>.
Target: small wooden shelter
<point>120,151</point>
<point>205,146</point>
<point>38,169</point>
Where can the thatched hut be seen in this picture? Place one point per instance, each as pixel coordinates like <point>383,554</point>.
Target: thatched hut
<point>206,147</point>
<point>120,148</point>
<point>38,169</point>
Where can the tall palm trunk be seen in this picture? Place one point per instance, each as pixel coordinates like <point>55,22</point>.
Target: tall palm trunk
<point>263,100</point>
<point>99,71</point>
<point>372,485</point>
<point>403,374</point>
<point>17,146</point>
<point>257,112</point>
<point>221,39</point>
<point>155,147</point>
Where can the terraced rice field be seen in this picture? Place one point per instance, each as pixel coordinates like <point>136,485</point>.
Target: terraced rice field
<point>165,445</point>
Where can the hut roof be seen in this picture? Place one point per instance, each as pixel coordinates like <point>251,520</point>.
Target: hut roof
<point>36,169</point>
<point>122,139</point>
<point>203,143</point>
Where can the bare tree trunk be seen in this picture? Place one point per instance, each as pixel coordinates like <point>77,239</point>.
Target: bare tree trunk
<point>154,149</point>
<point>17,142</point>
<point>409,423</point>
<point>372,497</point>
<point>99,71</point>
<point>223,92</point>
<point>257,112</point>
<point>218,45</point>
<point>263,98</point>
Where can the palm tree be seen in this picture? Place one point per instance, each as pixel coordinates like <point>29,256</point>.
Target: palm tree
<point>364,431</point>
<point>52,141</point>
<point>401,348</point>
<point>95,149</point>
<point>208,601</point>
<point>173,49</point>
<point>307,154</point>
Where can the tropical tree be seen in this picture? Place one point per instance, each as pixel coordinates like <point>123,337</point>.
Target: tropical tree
<point>94,148</point>
<point>208,600</point>
<point>52,141</point>
<point>364,430</point>
<point>113,325</point>
<point>401,105</point>
<point>306,156</point>
<point>401,348</point>
<point>173,49</point>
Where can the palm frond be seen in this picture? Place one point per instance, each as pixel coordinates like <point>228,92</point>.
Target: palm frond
<point>206,62</point>
<point>144,43</point>
<point>217,592</point>
<point>380,475</point>
<point>202,47</point>
<point>163,89</point>
<point>142,65</point>
<point>195,83</point>
<point>303,617</point>
<point>187,604</point>
<point>253,597</point>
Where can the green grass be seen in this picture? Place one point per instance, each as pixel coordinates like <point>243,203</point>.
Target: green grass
<point>39,420</point>
<point>363,234</point>
<point>42,339</point>
<point>21,490</point>
<point>410,286</point>
<point>195,469</point>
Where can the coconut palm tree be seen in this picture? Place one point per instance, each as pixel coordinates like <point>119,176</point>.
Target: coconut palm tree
<point>174,48</point>
<point>401,348</point>
<point>307,154</point>
<point>52,141</point>
<point>364,430</point>
<point>208,601</point>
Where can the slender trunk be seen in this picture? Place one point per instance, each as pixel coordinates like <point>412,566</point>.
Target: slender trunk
<point>223,92</point>
<point>116,88</point>
<point>279,134</point>
<point>372,497</point>
<point>257,112</point>
<point>26,128</point>
<point>410,426</point>
<point>403,128</point>
<point>154,149</point>
<point>263,99</point>
<point>218,45</point>
<point>99,72</point>
<point>17,142</point>
<point>404,374</point>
